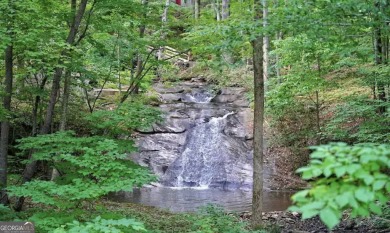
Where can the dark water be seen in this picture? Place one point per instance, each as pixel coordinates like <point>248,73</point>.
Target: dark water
<point>189,200</point>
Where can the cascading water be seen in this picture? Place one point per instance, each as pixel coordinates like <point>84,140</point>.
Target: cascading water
<point>200,96</point>
<point>205,143</point>
<point>202,161</point>
<point>205,140</point>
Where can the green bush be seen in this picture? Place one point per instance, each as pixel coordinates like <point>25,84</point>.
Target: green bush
<point>6,213</point>
<point>213,219</point>
<point>90,167</point>
<point>343,178</point>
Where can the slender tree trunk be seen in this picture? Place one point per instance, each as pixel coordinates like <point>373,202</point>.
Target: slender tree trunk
<point>225,9</point>
<point>5,123</point>
<point>317,102</point>
<point>119,68</point>
<point>142,28</point>
<point>4,135</point>
<point>215,4</point>
<point>381,52</point>
<point>65,100</point>
<point>164,20</point>
<point>36,107</point>
<point>58,71</point>
<point>279,36</point>
<point>30,169</point>
<point>257,195</point>
<point>266,42</point>
<point>164,17</point>
<point>197,9</point>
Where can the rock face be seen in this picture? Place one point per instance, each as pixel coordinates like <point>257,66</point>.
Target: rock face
<point>205,140</point>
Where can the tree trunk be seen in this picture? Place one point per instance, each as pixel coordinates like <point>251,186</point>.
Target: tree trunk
<point>164,17</point>
<point>279,36</point>
<point>381,53</point>
<point>36,107</point>
<point>4,135</point>
<point>30,169</point>
<point>5,124</point>
<point>65,101</point>
<point>164,20</point>
<point>266,42</point>
<point>215,4</point>
<point>139,64</point>
<point>197,9</point>
<point>257,191</point>
<point>58,71</point>
<point>225,9</point>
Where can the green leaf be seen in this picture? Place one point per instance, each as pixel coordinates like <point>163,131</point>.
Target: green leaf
<point>300,195</point>
<point>340,171</point>
<point>352,202</point>
<point>375,209</point>
<point>363,195</point>
<point>343,200</point>
<point>309,213</point>
<point>363,211</point>
<point>329,217</point>
<point>368,179</point>
<point>379,184</point>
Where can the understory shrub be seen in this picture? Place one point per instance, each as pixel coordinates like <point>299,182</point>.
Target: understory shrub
<point>345,178</point>
<point>213,219</point>
<point>89,168</point>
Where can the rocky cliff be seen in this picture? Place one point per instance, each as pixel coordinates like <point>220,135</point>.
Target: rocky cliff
<point>205,140</point>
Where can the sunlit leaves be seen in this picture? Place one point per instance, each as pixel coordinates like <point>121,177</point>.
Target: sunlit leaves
<point>345,177</point>
<point>90,167</point>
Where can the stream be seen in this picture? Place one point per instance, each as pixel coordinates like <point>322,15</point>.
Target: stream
<point>190,199</point>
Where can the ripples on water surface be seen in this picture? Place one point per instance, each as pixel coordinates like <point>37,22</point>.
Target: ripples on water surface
<point>189,199</point>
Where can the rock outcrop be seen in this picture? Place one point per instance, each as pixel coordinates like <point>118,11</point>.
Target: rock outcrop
<point>205,140</point>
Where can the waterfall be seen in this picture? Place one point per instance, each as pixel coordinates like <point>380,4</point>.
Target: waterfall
<point>198,96</point>
<point>205,140</point>
<point>203,159</point>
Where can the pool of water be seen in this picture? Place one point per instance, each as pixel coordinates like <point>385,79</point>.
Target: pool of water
<point>190,199</point>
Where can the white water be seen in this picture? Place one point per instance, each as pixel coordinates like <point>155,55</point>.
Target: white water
<point>202,160</point>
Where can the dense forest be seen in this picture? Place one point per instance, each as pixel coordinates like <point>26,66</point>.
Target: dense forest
<point>77,87</point>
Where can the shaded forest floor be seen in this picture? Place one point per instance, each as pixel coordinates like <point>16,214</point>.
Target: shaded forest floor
<point>158,220</point>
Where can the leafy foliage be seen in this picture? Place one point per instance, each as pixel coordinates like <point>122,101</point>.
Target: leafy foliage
<point>357,120</point>
<point>6,213</point>
<point>90,167</point>
<point>102,225</point>
<point>345,178</point>
<point>125,119</point>
<point>213,218</point>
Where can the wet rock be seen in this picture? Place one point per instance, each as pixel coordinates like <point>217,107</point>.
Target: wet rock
<point>171,97</point>
<point>160,88</point>
<point>204,139</point>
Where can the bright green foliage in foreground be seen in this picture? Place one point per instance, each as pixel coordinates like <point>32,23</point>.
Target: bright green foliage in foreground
<point>90,167</point>
<point>345,178</point>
